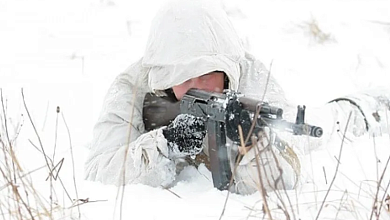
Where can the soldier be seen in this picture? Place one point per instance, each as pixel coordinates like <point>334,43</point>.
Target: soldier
<point>192,44</point>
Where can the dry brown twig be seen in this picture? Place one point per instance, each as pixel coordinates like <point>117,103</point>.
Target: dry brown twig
<point>121,189</point>
<point>243,149</point>
<point>376,210</point>
<point>23,201</point>
<point>277,184</point>
<point>337,168</point>
<point>12,172</point>
<point>262,190</point>
<point>72,157</point>
<point>280,179</point>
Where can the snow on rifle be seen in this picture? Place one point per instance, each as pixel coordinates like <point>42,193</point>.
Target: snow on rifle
<point>214,108</point>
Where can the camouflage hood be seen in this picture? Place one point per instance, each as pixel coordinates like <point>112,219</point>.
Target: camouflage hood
<point>189,38</point>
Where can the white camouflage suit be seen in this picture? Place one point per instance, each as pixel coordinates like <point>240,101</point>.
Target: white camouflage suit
<point>188,38</point>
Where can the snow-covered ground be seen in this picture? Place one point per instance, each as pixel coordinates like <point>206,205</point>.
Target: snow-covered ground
<point>66,54</point>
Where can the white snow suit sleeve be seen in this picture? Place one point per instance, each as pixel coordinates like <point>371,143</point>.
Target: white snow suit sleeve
<point>120,148</point>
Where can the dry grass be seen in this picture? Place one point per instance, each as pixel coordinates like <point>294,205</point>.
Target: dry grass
<point>313,29</point>
<point>21,195</point>
<point>275,201</point>
<point>274,205</point>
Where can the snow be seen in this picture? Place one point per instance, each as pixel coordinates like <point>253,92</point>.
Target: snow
<point>66,54</point>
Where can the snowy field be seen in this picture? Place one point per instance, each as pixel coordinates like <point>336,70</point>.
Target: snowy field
<point>66,53</point>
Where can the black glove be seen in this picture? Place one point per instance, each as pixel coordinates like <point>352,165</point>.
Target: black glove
<point>185,135</point>
<point>235,116</point>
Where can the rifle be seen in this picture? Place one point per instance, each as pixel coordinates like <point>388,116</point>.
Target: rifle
<point>212,106</point>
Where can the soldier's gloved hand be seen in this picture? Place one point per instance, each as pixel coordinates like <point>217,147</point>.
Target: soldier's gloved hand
<point>235,116</point>
<point>185,135</point>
